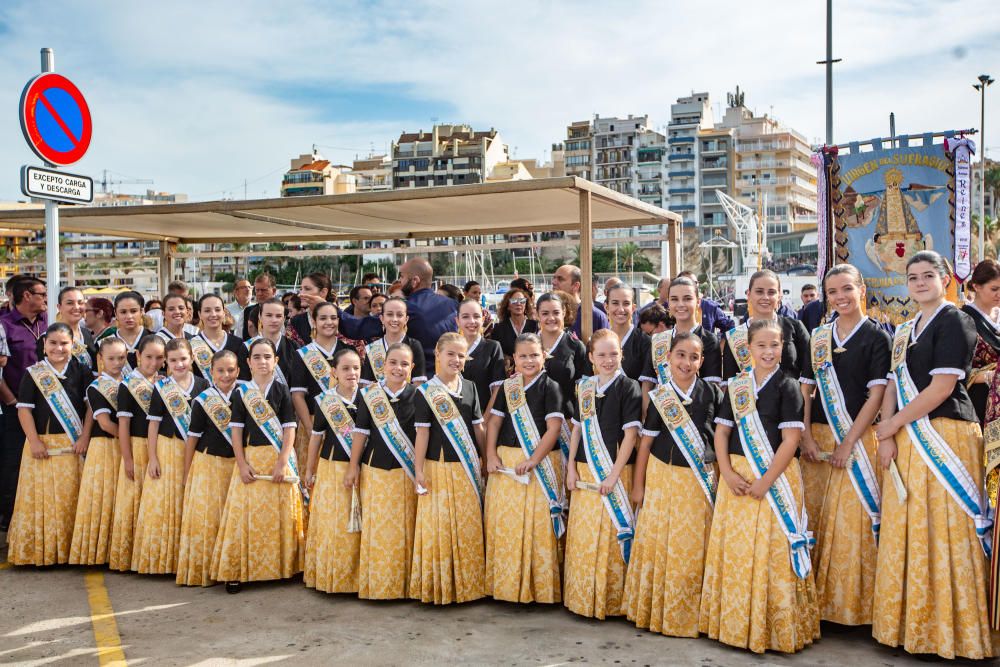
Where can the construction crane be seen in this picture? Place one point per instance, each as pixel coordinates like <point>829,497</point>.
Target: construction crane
<point>751,235</point>
<point>105,181</point>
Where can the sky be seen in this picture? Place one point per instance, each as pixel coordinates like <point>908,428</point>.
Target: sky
<point>213,99</point>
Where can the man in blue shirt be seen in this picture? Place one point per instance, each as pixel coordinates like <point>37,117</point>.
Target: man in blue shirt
<point>567,279</point>
<point>430,313</point>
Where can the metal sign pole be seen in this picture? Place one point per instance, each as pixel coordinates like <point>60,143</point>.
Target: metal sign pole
<point>51,221</point>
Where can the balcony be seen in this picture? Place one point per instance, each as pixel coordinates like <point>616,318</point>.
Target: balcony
<point>680,157</point>
<point>681,191</point>
<point>762,146</point>
<point>680,140</point>
<point>718,163</point>
<point>682,207</point>
<point>681,174</point>
<point>656,176</point>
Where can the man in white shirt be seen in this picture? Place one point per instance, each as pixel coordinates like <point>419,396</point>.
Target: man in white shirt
<point>241,290</point>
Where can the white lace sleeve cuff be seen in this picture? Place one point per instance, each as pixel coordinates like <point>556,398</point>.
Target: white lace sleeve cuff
<point>634,424</point>
<point>805,380</point>
<point>557,415</point>
<point>494,411</point>
<point>30,406</point>
<point>725,422</point>
<point>153,418</point>
<point>650,434</point>
<point>799,425</point>
<point>363,431</point>
<point>422,424</point>
<point>876,382</point>
<point>949,371</point>
<point>102,411</point>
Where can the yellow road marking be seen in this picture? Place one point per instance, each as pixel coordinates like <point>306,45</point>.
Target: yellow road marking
<point>102,617</point>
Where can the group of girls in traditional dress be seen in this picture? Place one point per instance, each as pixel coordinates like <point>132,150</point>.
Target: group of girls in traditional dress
<point>744,489</point>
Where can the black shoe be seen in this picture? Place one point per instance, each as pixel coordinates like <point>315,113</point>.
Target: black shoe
<point>233,587</point>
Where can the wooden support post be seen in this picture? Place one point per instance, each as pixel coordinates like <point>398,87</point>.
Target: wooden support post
<point>165,267</point>
<point>586,268</point>
<point>673,250</point>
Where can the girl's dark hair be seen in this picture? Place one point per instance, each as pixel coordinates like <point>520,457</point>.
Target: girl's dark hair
<point>67,290</point>
<point>59,327</point>
<point>179,344</point>
<point>473,301</point>
<point>275,301</point>
<point>763,273</point>
<point>986,271</point>
<point>469,285</point>
<point>399,346</point>
<point>322,282</point>
<point>174,297</point>
<point>452,291</point>
<point>760,325</point>
<point>262,341</point>
<point>147,340</point>
<point>343,353</point>
<point>110,341</point>
<point>528,339</point>
<point>224,354</point>
<point>687,282</point>
<point>206,297</point>
<point>550,296</point>
<point>680,337</point>
<point>324,304</point>
<point>396,299</point>
<point>153,304</point>
<point>131,294</point>
<point>843,270</point>
<point>939,263</point>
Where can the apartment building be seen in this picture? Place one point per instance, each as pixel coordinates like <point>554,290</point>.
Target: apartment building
<point>576,150</point>
<point>447,155</point>
<point>373,173</point>
<point>311,174</point>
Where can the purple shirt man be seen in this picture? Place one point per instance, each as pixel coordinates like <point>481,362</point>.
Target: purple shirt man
<point>24,324</point>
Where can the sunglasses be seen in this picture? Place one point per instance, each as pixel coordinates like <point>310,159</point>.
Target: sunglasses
<point>519,302</point>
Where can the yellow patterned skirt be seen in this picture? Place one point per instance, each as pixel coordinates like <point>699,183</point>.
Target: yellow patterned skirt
<point>816,476</point>
<point>204,497</point>
<point>930,581</point>
<point>595,571</point>
<point>448,553</point>
<point>41,529</point>
<point>128,496</point>
<point>665,572</point>
<point>388,523</point>
<point>260,534</point>
<point>522,552</point>
<point>158,524</point>
<point>95,507</point>
<point>332,553</point>
<point>845,552</point>
<point>751,597</point>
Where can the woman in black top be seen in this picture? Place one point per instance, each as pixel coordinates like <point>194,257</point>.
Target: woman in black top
<point>913,570</point>
<point>515,316</point>
<point>594,552</point>
<point>663,584</point>
<point>565,356</point>
<point>213,337</point>
<point>208,471</point>
<point>42,525</point>
<point>448,478</point>
<point>635,343</point>
<point>484,366</point>
<point>982,384</point>
<point>332,550</point>
<point>394,318</point>
<point>386,475</point>
<point>521,513</point>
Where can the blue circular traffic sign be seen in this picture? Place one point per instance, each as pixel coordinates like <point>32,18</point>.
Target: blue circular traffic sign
<point>55,119</point>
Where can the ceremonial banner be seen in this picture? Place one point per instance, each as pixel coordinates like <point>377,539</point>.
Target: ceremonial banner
<point>887,205</point>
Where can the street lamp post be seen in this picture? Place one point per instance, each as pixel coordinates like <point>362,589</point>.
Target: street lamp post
<point>984,82</point>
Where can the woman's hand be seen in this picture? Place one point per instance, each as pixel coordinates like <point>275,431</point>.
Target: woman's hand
<point>81,446</point>
<point>608,485</point>
<point>638,491</point>
<point>420,480</point>
<point>525,466</point>
<point>493,463</point>
<point>278,473</point>
<point>351,476</point>
<point>571,476</point>
<point>841,455</point>
<point>759,489</point>
<point>809,447</point>
<point>129,466</point>
<point>736,483</point>
<point>38,449</point>
<point>887,430</point>
<point>153,468</point>
<point>247,474</point>
<point>886,451</point>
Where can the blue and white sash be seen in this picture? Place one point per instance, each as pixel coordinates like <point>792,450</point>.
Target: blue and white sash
<point>600,464</point>
<point>177,405</point>
<point>738,342</point>
<point>685,435</point>
<point>141,390</point>
<point>263,415</point>
<point>81,352</point>
<point>202,356</point>
<point>935,452</point>
<point>55,396</point>
<point>380,408</point>
<point>759,454</point>
<point>660,349</point>
<point>860,469</point>
<point>279,374</point>
<point>451,422</point>
<point>318,368</point>
<point>218,411</point>
<point>107,387</point>
<point>375,351</point>
<point>529,439</point>
<point>331,404</point>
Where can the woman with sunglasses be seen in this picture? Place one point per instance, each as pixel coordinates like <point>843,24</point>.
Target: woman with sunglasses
<point>515,315</point>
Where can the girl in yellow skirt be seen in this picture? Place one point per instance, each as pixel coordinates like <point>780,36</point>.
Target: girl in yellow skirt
<point>758,591</point>
<point>158,525</point>
<point>676,488</point>
<point>850,360</point>
<point>332,550</point>
<point>208,469</point>
<point>382,456</point>
<point>930,579</point>
<point>448,544</point>
<point>602,450</point>
<point>96,504</point>
<point>134,396</point>
<point>524,496</point>
<point>50,408</point>
<point>260,534</point>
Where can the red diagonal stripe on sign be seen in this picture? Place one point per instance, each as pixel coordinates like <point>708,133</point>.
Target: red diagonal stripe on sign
<point>59,121</point>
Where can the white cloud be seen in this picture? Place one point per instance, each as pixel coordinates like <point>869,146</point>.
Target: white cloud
<point>180,91</point>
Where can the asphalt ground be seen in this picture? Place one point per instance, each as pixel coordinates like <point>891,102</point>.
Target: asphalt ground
<point>88,616</point>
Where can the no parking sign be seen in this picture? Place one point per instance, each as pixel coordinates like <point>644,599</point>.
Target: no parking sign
<point>55,119</point>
